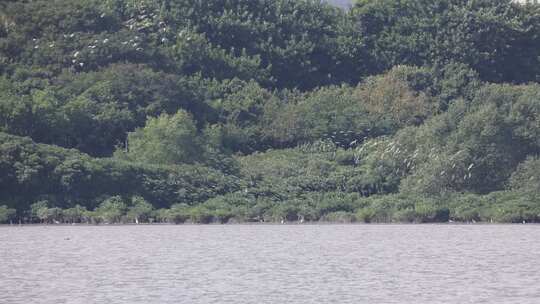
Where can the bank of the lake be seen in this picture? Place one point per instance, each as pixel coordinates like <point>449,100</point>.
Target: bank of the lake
<point>497,207</point>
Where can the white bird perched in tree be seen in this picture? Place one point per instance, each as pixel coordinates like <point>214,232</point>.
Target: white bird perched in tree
<point>470,167</point>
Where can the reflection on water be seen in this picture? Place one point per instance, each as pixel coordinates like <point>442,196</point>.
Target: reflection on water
<point>270,264</point>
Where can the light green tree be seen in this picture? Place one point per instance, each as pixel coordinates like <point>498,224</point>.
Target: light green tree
<point>140,210</point>
<point>165,140</point>
<point>75,214</point>
<point>39,211</point>
<point>6,214</point>
<point>111,210</point>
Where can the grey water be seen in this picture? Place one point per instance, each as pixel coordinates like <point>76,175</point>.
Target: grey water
<point>270,264</point>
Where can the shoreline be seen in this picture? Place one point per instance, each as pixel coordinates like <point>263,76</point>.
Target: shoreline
<point>272,224</point>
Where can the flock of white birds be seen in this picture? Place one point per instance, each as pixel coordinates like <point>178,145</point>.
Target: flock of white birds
<point>141,20</point>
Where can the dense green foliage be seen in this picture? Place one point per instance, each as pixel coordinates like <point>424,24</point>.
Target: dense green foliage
<point>257,110</point>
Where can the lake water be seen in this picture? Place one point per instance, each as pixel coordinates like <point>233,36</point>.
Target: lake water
<point>270,264</point>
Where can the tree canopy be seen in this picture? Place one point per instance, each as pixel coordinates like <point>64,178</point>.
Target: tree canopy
<point>258,110</point>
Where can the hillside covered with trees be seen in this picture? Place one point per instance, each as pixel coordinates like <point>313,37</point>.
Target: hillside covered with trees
<point>269,110</point>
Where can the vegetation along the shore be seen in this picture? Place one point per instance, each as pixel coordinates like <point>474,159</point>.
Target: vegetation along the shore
<point>254,110</point>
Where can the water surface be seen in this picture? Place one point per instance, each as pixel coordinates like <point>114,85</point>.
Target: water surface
<point>270,264</point>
